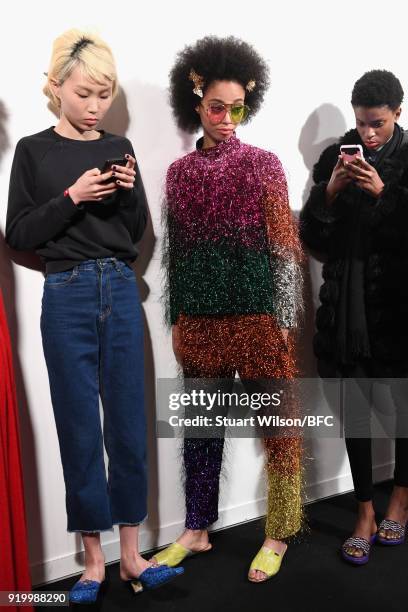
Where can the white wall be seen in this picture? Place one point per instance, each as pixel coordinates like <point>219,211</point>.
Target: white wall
<point>316,51</point>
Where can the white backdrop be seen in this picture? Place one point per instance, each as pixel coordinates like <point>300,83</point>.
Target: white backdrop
<point>316,51</point>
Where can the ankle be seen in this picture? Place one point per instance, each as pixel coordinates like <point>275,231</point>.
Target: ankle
<point>129,556</point>
<point>94,559</point>
<point>400,496</point>
<point>366,511</point>
<point>194,535</point>
<point>132,566</point>
<point>93,571</point>
<point>277,545</point>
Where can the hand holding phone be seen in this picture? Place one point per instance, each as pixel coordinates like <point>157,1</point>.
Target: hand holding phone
<point>338,181</point>
<point>90,188</point>
<point>107,166</point>
<point>124,172</point>
<point>363,174</point>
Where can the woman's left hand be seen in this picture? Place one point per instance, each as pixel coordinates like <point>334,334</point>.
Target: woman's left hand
<point>365,176</point>
<point>124,176</point>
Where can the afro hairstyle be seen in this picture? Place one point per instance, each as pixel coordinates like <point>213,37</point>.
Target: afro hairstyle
<point>215,59</point>
<point>377,88</point>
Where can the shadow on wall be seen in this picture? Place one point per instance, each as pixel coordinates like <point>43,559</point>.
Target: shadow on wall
<point>28,447</point>
<point>156,142</point>
<point>149,135</point>
<point>117,121</point>
<point>155,138</point>
<point>322,128</point>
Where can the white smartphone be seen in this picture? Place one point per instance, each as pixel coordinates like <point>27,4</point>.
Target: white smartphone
<point>351,152</point>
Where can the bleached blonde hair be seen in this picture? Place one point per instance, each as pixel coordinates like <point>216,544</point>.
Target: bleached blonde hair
<point>86,50</point>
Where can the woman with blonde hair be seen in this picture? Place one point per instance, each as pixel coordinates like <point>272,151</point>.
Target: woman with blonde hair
<point>76,198</point>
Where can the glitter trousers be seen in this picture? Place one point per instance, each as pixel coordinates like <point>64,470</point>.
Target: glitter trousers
<point>253,346</point>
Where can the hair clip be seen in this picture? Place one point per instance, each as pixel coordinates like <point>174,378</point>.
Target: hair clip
<point>198,82</point>
<point>250,86</point>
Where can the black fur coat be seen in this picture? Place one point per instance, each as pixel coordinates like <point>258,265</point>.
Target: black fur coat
<point>325,229</point>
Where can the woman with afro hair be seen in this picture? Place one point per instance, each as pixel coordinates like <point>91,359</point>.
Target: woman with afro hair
<point>233,268</point>
<point>357,217</point>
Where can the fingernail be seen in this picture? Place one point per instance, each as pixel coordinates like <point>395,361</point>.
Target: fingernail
<point>118,182</point>
<point>113,173</point>
<point>127,156</point>
<point>113,167</point>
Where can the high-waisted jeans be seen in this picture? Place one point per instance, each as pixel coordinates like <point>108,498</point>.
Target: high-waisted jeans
<point>92,332</point>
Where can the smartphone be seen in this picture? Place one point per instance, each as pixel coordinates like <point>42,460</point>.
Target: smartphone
<point>351,152</point>
<point>121,161</point>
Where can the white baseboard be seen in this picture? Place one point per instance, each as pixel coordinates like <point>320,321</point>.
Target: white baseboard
<point>67,565</point>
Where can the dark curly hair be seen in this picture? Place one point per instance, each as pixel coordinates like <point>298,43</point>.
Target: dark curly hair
<point>215,59</point>
<point>377,88</point>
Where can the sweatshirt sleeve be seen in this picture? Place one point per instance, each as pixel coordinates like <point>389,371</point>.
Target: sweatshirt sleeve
<point>30,224</point>
<point>285,249</point>
<point>317,219</point>
<point>133,206</point>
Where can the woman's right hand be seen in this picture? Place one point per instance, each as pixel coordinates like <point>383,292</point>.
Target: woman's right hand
<point>91,188</point>
<point>339,180</point>
<point>177,342</point>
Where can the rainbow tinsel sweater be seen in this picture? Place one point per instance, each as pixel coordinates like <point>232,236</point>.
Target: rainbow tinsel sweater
<point>232,246</point>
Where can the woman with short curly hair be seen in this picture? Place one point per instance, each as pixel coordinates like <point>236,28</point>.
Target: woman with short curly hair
<point>357,217</point>
<point>233,265</point>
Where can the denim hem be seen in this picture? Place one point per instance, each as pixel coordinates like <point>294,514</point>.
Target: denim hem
<point>127,524</point>
<point>89,530</point>
<point>108,528</point>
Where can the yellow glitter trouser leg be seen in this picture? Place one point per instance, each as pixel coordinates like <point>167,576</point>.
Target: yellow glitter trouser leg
<point>284,511</point>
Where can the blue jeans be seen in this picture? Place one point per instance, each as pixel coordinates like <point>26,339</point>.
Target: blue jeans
<point>92,332</point>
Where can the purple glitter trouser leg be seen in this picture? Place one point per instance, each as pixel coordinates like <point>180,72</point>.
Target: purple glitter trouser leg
<point>202,462</point>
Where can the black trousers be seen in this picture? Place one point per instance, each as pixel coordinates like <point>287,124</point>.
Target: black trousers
<point>386,400</point>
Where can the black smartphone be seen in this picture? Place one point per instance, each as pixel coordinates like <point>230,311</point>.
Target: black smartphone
<point>121,161</point>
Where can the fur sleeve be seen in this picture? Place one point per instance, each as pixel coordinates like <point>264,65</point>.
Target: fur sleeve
<point>317,217</point>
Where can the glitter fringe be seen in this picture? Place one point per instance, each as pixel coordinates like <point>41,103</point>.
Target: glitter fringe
<point>230,202</point>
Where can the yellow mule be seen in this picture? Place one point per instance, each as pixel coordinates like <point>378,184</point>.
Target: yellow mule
<point>267,561</point>
<point>175,554</point>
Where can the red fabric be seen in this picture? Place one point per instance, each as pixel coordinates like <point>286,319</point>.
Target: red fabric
<point>14,566</point>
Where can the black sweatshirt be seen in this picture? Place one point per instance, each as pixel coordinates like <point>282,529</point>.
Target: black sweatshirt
<point>41,218</point>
